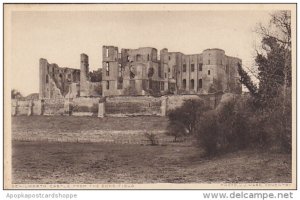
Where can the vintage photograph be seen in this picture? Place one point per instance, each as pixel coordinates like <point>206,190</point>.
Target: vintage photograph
<point>150,96</point>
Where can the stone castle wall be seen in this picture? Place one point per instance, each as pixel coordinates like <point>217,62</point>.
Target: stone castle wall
<point>127,106</point>
<point>117,106</point>
<point>84,106</point>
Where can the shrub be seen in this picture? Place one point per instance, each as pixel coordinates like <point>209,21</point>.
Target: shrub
<point>130,91</point>
<point>153,93</point>
<point>187,114</point>
<point>207,135</point>
<point>176,129</point>
<point>152,138</point>
<point>232,126</point>
<point>224,129</point>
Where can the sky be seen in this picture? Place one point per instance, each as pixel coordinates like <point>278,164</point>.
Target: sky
<point>61,36</point>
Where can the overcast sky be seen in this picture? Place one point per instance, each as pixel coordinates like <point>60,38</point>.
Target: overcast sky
<point>61,37</point>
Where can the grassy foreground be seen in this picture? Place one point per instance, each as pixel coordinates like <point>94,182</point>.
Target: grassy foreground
<point>86,163</point>
<point>75,124</point>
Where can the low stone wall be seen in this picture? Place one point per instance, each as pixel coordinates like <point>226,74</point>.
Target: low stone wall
<point>176,101</point>
<point>21,107</point>
<point>37,107</point>
<point>128,106</point>
<point>26,107</point>
<point>118,106</point>
<point>84,106</point>
<point>78,106</point>
<point>54,106</point>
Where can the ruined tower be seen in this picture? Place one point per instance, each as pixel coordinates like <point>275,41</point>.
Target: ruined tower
<point>43,77</point>
<point>111,68</point>
<point>84,71</point>
<point>214,73</point>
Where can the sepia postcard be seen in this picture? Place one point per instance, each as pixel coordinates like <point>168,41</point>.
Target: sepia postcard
<point>149,96</point>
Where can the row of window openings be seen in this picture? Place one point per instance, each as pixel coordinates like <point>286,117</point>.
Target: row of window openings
<point>138,57</point>
<point>192,84</point>
<point>184,69</point>
<point>119,85</point>
<point>108,69</point>
<point>192,67</point>
<point>208,61</point>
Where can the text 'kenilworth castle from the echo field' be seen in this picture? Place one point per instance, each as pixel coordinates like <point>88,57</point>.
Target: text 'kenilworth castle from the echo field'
<point>142,71</point>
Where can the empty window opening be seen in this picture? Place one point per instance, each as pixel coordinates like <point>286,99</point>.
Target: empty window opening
<point>47,79</point>
<point>184,84</point>
<point>120,83</point>
<point>192,84</point>
<point>169,70</point>
<point>106,52</point>
<point>227,69</point>
<point>162,86</point>
<point>192,67</point>
<point>120,71</point>
<point>200,67</point>
<point>169,57</point>
<point>132,74</point>
<point>200,83</point>
<point>138,57</point>
<point>107,68</point>
<point>107,85</point>
<point>159,71</point>
<point>184,68</point>
<point>148,57</point>
<point>208,72</point>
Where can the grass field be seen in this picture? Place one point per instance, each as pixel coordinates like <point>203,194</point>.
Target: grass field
<point>76,124</point>
<point>50,162</point>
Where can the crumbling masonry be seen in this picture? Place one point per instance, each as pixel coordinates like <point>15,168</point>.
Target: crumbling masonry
<point>141,72</point>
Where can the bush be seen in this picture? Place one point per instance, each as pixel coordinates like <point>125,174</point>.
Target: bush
<point>188,113</point>
<point>153,93</point>
<point>224,129</point>
<point>232,126</point>
<point>152,138</point>
<point>130,91</point>
<point>176,129</point>
<point>207,135</point>
<point>236,123</point>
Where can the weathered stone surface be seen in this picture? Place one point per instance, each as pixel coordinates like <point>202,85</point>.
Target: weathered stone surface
<point>101,109</point>
<point>85,104</point>
<point>141,105</point>
<point>54,106</point>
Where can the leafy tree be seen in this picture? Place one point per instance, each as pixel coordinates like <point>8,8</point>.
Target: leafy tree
<point>245,79</point>
<point>274,62</point>
<point>130,91</point>
<point>96,76</point>
<point>176,129</point>
<point>15,94</point>
<point>188,113</point>
<point>272,97</point>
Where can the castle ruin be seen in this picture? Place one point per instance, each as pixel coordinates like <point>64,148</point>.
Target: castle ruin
<point>142,72</point>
